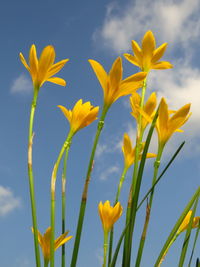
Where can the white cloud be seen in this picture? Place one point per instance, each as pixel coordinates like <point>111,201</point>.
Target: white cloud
<point>8,202</point>
<point>22,85</point>
<point>108,172</point>
<point>176,22</point>
<point>101,148</point>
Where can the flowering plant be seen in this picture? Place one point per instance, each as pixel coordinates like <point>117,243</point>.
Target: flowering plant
<point>148,116</point>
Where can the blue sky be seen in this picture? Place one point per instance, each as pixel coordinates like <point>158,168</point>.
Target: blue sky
<point>101,30</point>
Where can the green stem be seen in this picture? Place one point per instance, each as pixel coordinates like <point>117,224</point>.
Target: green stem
<point>46,263</point>
<point>85,190</point>
<point>31,178</point>
<point>146,223</point>
<point>53,185</point>
<point>105,248</point>
<point>167,249</point>
<point>64,202</point>
<point>128,236</point>
<point>194,245</point>
<point>177,225</point>
<point>116,200</point>
<point>187,235</point>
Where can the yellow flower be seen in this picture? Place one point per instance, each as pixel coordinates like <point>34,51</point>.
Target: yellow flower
<point>109,215</point>
<point>113,85</point>
<point>44,241</point>
<point>129,152</point>
<point>80,116</point>
<point>185,223</point>
<point>167,125</point>
<point>147,57</point>
<point>147,111</point>
<point>43,69</point>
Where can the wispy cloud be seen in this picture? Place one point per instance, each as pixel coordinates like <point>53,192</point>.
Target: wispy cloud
<point>176,22</point>
<point>22,85</point>
<point>108,172</point>
<point>8,202</point>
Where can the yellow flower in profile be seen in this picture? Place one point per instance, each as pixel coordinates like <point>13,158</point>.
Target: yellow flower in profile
<point>129,152</point>
<point>147,111</point>
<point>166,125</point>
<point>80,116</point>
<point>109,215</point>
<point>43,69</point>
<point>113,85</point>
<point>147,57</point>
<point>44,241</point>
<point>185,223</point>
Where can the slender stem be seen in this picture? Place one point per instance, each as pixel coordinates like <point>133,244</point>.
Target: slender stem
<point>187,235</point>
<point>64,202</point>
<point>134,202</point>
<point>167,249</point>
<point>53,185</point>
<point>146,223</point>
<point>143,236</point>
<point>177,225</point>
<point>46,263</point>
<point>128,236</point>
<point>116,200</point>
<point>162,173</point>
<point>194,245</point>
<point>105,248</point>
<point>31,178</point>
<point>85,190</point>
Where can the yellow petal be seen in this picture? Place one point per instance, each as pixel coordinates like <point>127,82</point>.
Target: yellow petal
<point>159,52</point>
<point>137,52</point>
<point>33,61</point>
<point>46,60</point>
<point>57,80</point>
<point>148,44</point>
<point>150,104</point>
<point>66,112</point>
<point>163,115</point>
<point>132,59</point>
<point>162,65</point>
<point>100,73</point>
<point>56,67</point>
<point>116,73</point>
<point>24,61</point>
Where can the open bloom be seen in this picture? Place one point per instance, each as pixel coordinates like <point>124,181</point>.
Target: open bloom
<point>186,221</point>
<point>44,241</point>
<point>147,111</point>
<point>43,69</point>
<point>113,85</point>
<point>109,215</point>
<point>80,116</point>
<point>129,152</point>
<point>147,57</point>
<point>166,125</point>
